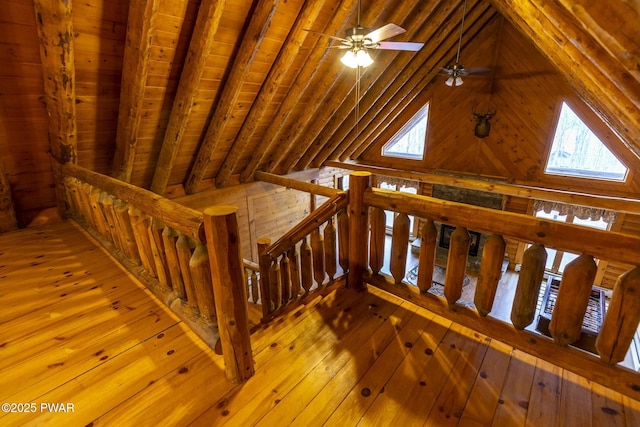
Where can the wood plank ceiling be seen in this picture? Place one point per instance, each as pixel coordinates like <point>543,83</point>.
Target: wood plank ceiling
<point>184,95</point>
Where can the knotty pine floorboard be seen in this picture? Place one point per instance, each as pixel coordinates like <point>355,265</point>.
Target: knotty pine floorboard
<point>77,328</point>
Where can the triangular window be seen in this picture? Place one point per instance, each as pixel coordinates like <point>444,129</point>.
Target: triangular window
<point>409,142</point>
<point>577,151</point>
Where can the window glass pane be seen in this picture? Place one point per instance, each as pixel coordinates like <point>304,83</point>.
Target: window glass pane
<point>577,151</point>
<point>409,142</point>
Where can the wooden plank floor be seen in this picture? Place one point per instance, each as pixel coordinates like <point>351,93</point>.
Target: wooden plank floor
<point>77,330</point>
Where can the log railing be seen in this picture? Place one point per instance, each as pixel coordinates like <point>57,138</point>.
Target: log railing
<point>306,259</point>
<point>189,259</point>
<point>367,205</point>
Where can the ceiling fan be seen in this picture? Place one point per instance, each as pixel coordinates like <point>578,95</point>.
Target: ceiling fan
<point>457,70</point>
<point>358,40</point>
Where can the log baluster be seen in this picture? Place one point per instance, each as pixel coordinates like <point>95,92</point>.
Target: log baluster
<point>169,237</point>
<point>87,210</point>
<point>572,300</point>
<point>377,238</point>
<point>100,224</point>
<point>285,277</point>
<point>72,196</point>
<point>456,264</point>
<point>255,287</point>
<point>294,262</point>
<point>121,213</point>
<point>275,284</point>
<point>317,253</point>
<point>525,299</point>
<point>140,225</point>
<point>330,249</point>
<point>490,273</point>
<point>622,318</point>
<point>359,182</point>
<point>157,250</point>
<point>184,248</point>
<point>306,269</point>
<point>343,240</point>
<point>201,276</point>
<point>427,256</point>
<point>264,260</point>
<point>227,278</point>
<point>399,247</point>
<point>105,201</point>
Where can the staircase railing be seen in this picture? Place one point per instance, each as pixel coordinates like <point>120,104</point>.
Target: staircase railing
<point>189,259</point>
<point>367,205</point>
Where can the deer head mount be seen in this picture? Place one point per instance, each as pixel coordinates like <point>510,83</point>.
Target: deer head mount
<point>483,127</point>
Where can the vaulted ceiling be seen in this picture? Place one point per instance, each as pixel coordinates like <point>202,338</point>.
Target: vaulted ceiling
<point>185,95</point>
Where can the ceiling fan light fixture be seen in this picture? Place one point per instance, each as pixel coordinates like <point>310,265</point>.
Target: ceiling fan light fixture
<point>356,58</point>
<point>454,81</point>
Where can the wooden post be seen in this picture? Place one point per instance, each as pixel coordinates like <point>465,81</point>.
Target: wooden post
<point>285,278</point>
<point>623,315</point>
<point>275,284</point>
<point>317,253</point>
<point>456,264</point>
<point>294,273</point>
<point>255,290</point>
<point>8,220</point>
<point>359,182</point>
<point>157,249</point>
<point>427,256</point>
<point>330,249</point>
<point>227,277</point>
<point>121,210</point>
<point>376,241</point>
<point>573,299</point>
<point>264,260</point>
<point>399,247</point>
<point>169,237</point>
<point>528,288</point>
<point>490,272</point>
<point>140,224</point>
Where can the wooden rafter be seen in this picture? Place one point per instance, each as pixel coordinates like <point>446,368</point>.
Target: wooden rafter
<point>252,39</point>
<point>268,91</point>
<point>288,106</point>
<point>206,26</point>
<point>135,66</point>
<point>303,142</point>
<point>55,32</point>
<point>600,78</point>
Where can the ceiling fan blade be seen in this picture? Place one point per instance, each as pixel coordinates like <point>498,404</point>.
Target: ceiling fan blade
<point>411,46</point>
<point>479,71</point>
<point>327,35</point>
<point>384,32</point>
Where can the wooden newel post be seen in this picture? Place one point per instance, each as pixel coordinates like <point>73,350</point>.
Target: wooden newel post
<point>359,219</point>
<point>621,321</point>
<point>227,277</point>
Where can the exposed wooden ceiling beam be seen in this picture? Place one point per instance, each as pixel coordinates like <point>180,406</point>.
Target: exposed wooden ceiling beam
<point>601,79</point>
<point>325,141</point>
<point>306,142</point>
<point>205,28</point>
<point>286,57</point>
<point>320,98</point>
<point>312,66</point>
<point>251,41</point>
<point>55,30</point>
<point>135,66</point>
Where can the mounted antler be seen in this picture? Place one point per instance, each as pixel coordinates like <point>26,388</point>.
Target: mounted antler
<point>483,127</point>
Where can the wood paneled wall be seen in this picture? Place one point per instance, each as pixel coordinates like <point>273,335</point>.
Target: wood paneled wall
<point>526,92</point>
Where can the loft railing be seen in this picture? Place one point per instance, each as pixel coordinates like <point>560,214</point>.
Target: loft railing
<point>190,260</point>
<point>367,238</point>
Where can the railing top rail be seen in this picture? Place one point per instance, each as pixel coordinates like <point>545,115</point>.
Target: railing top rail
<point>308,224</point>
<point>297,185</point>
<point>186,220</point>
<point>601,244</point>
<point>618,204</point>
